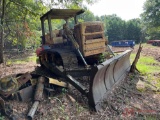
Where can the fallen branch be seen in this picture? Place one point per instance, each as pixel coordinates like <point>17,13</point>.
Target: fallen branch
<point>71,99</point>
<point>133,66</point>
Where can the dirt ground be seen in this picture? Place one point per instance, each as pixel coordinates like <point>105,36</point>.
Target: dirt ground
<point>124,102</point>
<point>148,50</point>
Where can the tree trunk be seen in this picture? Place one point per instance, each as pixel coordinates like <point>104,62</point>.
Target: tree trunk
<point>2,30</point>
<point>133,66</point>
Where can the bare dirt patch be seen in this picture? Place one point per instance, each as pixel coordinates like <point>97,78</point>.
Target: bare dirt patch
<point>147,50</point>
<point>6,70</point>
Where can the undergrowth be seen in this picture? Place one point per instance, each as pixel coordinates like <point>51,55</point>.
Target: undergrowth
<point>1,117</point>
<point>147,65</point>
<point>149,69</point>
<point>21,60</point>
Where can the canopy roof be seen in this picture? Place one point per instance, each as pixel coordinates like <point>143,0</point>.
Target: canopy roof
<point>62,13</point>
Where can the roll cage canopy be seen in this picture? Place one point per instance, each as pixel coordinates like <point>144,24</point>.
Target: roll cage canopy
<point>58,14</point>
<point>62,13</point>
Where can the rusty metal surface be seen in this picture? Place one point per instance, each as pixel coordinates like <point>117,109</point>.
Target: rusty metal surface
<point>121,65</point>
<point>11,84</point>
<point>23,79</point>
<point>65,57</point>
<point>8,85</point>
<point>68,78</point>
<point>105,76</point>
<point>25,94</point>
<point>39,89</point>
<point>37,97</point>
<point>33,109</point>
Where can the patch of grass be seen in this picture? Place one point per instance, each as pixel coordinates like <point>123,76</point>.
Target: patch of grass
<point>158,84</point>
<point>145,45</point>
<point>151,117</point>
<point>1,117</point>
<point>22,60</point>
<point>148,45</point>
<point>147,65</point>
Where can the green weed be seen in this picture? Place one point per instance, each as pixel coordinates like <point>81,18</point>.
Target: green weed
<point>147,65</point>
<point>79,108</point>
<point>21,60</point>
<point>151,117</point>
<point>1,117</point>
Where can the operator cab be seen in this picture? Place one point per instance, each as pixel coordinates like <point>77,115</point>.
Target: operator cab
<point>57,36</point>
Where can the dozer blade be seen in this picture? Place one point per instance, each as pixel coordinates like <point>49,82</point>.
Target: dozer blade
<point>106,76</point>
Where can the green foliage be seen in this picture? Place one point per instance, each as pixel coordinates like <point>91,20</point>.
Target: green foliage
<point>118,29</point>
<point>22,22</point>
<point>104,56</point>
<point>22,19</point>
<point>1,117</point>
<point>79,108</point>
<point>115,28</point>
<point>23,27</point>
<point>64,90</point>
<point>151,117</point>
<point>68,3</point>
<point>87,16</point>
<point>22,60</point>
<point>150,18</point>
<point>133,30</point>
<point>147,65</point>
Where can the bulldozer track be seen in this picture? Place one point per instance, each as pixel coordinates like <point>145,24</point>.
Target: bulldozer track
<point>69,58</point>
<point>67,55</point>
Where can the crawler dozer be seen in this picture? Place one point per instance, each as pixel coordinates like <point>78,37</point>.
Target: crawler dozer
<point>70,53</point>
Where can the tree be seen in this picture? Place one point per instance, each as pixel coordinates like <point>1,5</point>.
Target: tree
<point>2,5</point>
<point>66,3</point>
<point>88,16</point>
<point>115,27</point>
<point>133,30</point>
<point>118,29</point>
<point>17,18</point>
<point>21,23</point>
<point>151,19</point>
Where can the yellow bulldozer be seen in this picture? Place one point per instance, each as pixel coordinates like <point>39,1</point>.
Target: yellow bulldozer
<point>75,52</point>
